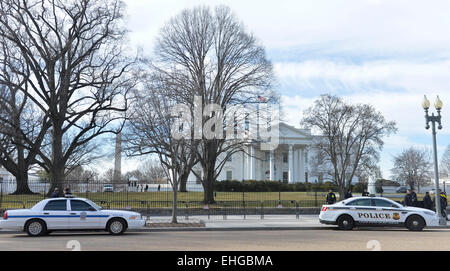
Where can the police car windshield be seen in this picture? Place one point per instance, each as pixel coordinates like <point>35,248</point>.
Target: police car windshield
<point>95,205</point>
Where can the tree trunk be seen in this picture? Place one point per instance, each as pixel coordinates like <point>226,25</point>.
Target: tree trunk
<point>58,166</point>
<point>22,183</point>
<point>208,184</point>
<point>22,174</point>
<point>175,205</point>
<point>183,181</point>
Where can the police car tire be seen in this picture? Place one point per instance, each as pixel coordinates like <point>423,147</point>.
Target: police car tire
<point>35,227</point>
<point>415,223</point>
<point>111,226</point>
<point>345,222</point>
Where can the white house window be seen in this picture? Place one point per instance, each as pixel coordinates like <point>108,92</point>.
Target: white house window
<point>285,157</point>
<point>229,175</point>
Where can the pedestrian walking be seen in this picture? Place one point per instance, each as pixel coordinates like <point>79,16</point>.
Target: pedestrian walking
<point>331,197</point>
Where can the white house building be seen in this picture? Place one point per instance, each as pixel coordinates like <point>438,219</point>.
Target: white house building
<point>288,162</point>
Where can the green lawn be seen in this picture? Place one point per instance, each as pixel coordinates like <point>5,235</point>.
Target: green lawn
<point>193,199</point>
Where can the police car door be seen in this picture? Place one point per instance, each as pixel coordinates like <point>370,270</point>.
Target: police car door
<point>55,214</point>
<point>389,212</point>
<point>83,215</point>
<point>362,210</point>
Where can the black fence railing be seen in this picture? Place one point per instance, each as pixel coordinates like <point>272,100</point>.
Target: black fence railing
<point>157,198</point>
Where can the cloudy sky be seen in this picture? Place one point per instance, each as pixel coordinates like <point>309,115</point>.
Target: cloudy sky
<point>386,53</point>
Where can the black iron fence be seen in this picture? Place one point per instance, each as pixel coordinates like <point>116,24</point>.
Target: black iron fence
<point>157,198</point>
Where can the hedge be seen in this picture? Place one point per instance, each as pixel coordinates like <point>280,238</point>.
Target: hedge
<point>270,186</point>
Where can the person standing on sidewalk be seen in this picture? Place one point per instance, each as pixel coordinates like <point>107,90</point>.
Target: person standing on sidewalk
<point>444,203</point>
<point>55,193</point>
<point>427,202</point>
<point>348,194</point>
<point>407,201</point>
<point>331,197</point>
<point>413,197</point>
<point>365,193</point>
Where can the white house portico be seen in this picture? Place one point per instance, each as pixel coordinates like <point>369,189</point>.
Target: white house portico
<point>287,163</point>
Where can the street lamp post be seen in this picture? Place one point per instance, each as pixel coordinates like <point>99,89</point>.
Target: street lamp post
<point>435,119</point>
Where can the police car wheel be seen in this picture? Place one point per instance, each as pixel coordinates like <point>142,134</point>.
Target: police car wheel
<point>415,223</point>
<point>35,227</point>
<point>116,226</point>
<point>345,222</point>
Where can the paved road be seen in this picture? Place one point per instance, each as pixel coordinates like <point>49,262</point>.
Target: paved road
<point>256,240</point>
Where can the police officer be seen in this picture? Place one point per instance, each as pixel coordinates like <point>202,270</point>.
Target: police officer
<point>348,194</point>
<point>427,202</point>
<point>55,193</point>
<point>413,197</point>
<point>443,198</point>
<point>331,197</point>
<point>408,198</point>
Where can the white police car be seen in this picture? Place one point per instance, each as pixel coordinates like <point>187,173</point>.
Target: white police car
<point>376,211</point>
<point>69,214</point>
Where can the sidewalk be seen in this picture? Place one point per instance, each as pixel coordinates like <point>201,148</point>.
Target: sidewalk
<point>237,222</point>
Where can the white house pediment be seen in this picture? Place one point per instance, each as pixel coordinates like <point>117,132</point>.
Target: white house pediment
<point>288,131</point>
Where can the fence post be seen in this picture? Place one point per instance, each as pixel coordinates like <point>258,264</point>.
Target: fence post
<point>1,194</point>
<point>315,198</point>
<point>87,188</point>
<point>187,210</point>
<point>262,209</point>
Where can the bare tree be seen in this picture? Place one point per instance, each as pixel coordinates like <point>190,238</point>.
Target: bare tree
<point>208,54</point>
<point>153,172</point>
<point>412,167</point>
<point>79,74</point>
<point>81,174</point>
<point>149,131</point>
<point>22,126</point>
<point>445,162</point>
<point>352,135</point>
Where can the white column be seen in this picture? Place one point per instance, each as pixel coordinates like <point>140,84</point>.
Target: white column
<point>302,165</point>
<point>291,164</point>
<point>295,162</point>
<point>298,176</point>
<point>243,166</point>
<point>272,165</point>
<point>252,163</point>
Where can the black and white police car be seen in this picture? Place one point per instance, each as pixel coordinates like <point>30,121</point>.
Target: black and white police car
<point>56,214</point>
<point>376,211</point>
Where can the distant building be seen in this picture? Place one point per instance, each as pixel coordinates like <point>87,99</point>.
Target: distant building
<point>5,175</point>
